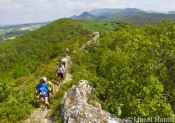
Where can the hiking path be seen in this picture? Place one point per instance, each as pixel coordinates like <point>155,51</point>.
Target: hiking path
<point>42,116</point>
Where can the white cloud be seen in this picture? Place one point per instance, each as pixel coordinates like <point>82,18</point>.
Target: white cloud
<point>9,5</point>
<point>80,5</point>
<point>165,5</point>
<point>43,10</point>
<point>159,5</point>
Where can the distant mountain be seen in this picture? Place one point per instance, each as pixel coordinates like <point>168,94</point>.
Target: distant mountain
<point>129,15</point>
<point>171,12</point>
<point>151,11</point>
<point>141,19</point>
<point>107,11</point>
<point>84,15</point>
<point>74,16</point>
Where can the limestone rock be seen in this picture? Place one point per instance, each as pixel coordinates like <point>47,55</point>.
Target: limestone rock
<point>94,39</point>
<point>77,106</point>
<point>95,36</point>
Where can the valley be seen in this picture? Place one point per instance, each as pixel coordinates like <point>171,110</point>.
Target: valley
<point>13,31</point>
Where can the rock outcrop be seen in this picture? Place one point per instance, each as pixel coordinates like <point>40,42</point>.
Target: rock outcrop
<point>94,39</point>
<point>95,36</point>
<point>79,106</point>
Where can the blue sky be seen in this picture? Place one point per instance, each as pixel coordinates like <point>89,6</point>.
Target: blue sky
<point>27,11</point>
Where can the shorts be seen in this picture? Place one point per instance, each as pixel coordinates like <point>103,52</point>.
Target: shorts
<point>43,96</point>
<point>60,75</point>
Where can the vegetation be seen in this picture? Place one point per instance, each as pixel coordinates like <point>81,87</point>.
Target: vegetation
<point>13,31</point>
<point>25,59</point>
<point>131,68</point>
<point>99,26</point>
<point>129,15</point>
<point>139,18</point>
<point>1,39</point>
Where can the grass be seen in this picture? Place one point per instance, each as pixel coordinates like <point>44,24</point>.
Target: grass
<point>100,26</point>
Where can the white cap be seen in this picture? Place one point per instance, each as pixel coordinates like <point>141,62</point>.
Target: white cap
<point>45,79</point>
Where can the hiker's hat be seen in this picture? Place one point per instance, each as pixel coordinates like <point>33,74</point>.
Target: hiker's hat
<point>45,79</point>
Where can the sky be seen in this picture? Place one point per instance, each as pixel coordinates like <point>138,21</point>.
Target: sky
<point>29,11</point>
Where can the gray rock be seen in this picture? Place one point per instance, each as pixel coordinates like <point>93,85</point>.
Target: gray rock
<point>77,106</point>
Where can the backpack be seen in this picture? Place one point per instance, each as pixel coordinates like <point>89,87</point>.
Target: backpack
<point>49,83</point>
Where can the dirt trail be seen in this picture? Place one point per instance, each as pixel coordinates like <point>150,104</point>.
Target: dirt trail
<point>42,116</point>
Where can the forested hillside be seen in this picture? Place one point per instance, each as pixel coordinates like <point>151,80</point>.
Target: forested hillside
<point>140,18</point>
<point>37,47</point>
<point>131,67</point>
<point>99,26</point>
<point>36,54</point>
<point>132,70</point>
<point>25,59</point>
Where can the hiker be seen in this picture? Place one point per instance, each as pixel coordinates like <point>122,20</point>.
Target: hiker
<point>63,61</point>
<point>42,92</point>
<point>60,72</point>
<point>67,51</point>
<point>50,86</point>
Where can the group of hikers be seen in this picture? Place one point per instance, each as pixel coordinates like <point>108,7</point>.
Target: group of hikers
<point>44,88</point>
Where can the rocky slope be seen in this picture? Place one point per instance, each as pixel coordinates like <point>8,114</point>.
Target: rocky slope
<point>79,106</point>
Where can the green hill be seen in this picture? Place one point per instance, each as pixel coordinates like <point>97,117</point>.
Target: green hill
<point>37,47</point>
<point>132,70</point>
<point>128,15</point>
<point>140,18</point>
<point>108,11</point>
<point>99,26</point>
<point>28,57</point>
<point>36,54</point>
<point>131,67</point>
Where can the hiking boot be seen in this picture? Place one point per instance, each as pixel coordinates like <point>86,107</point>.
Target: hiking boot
<point>47,106</point>
<point>44,108</point>
<point>57,83</point>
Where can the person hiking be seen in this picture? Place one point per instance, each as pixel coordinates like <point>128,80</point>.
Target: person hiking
<point>67,51</point>
<point>42,92</point>
<point>50,86</point>
<point>60,72</point>
<point>63,61</point>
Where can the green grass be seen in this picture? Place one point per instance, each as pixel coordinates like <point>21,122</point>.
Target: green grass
<point>100,26</point>
<point>1,39</point>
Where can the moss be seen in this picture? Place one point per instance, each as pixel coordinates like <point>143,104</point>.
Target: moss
<point>92,99</point>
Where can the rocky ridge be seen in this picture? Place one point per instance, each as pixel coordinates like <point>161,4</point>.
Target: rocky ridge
<point>94,39</point>
<point>79,106</point>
